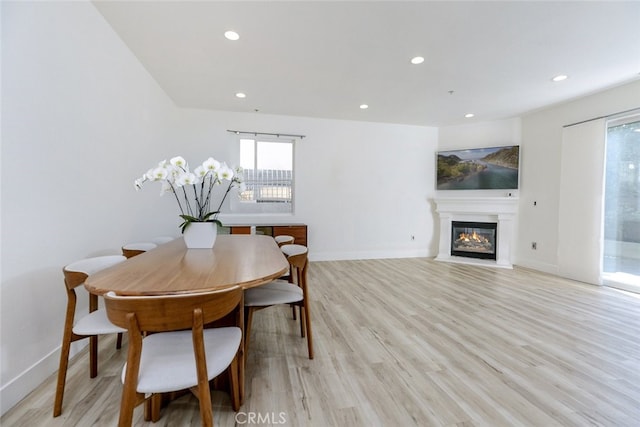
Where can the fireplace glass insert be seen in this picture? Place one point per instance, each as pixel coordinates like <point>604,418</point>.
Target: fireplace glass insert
<point>474,239</point>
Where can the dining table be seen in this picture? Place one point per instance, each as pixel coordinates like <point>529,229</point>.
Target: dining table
<point>171,268</point>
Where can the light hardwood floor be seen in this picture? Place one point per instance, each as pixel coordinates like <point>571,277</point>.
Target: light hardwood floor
<point>408,342</point>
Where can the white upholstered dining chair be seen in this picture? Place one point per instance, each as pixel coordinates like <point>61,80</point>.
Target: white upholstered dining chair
<point>284,240</point>
<point>136,248</point>
<point>89,326</point>
<point>176,352</point>
<point>282,292</point>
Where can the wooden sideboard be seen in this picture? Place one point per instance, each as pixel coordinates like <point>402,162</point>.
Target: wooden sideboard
<point>298,231</point>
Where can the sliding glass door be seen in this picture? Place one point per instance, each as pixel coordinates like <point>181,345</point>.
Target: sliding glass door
<point>621,253</point>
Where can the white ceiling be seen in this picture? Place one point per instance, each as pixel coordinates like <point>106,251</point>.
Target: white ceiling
<point>324,59</point>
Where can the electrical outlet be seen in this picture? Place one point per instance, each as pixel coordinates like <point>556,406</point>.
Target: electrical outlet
<point>534,245</point>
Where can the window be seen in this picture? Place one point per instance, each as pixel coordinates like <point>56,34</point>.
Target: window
<point>268,176</point>
<point>621,262</point>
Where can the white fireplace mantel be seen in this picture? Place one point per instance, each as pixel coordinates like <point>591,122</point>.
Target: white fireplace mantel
<point>502,210</point>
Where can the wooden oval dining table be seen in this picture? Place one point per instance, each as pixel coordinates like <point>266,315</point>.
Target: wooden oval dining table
<point>171,268</point>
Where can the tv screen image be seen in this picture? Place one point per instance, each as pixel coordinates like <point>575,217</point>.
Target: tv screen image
<point>492,168</point>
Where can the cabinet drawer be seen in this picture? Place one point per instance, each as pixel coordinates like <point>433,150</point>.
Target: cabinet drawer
<point>240,229</point>
<point>299,232</point>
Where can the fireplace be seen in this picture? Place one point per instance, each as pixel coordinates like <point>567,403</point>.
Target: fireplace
<point>502,211</point>
<point>474,239</point>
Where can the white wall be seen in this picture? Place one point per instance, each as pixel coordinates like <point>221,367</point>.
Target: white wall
<point>541,171</point>
<point>362,188</point>
<point>78,113</point>
<point>540,137</point>
<point>82,119</point>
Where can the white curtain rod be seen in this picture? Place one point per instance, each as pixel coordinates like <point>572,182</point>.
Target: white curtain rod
<point>278,135</point>
<point>602,117</point>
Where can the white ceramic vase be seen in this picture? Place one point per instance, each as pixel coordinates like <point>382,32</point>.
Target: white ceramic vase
<point>200,235</point>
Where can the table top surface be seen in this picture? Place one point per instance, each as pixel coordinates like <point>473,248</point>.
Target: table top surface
<point>171,268</point>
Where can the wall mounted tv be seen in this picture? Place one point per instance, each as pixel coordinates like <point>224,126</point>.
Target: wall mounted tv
<point>492,168</point>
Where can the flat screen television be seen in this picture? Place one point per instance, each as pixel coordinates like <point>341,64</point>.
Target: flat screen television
<point>492,168</point>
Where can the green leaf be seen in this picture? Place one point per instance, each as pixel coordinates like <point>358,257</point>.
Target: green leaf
<point>207,216</point>
<point>188,219</point>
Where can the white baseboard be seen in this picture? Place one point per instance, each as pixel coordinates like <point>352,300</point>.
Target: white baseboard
<point>345,256</point>
<point>539,266</point>
<point>33,377</point>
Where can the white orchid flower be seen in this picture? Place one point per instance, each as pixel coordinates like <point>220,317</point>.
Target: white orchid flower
<point>138,182</point>
<point>201,171</point>
<point>174,173</point>
<point>166,188</point>
<point>158,174</point>
<point>239,176</point>
<point>179,162</point>
<point>211,164</point>
<point>194,205</point>
<point>225,172</point>
<point>186,178</point>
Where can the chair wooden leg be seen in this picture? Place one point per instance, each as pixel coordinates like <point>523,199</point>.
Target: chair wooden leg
<point>240,322</point>
<point>206,411</point>
<point>148,409</point>
<point>156,405</point>
<point>307,321</point>
<point>67,338</point>
<point>204,394</point>
<point>247,329</point>
<point>290,279</point>
<point>62,372</point>
<point>302,323</point>
<point>93,356</point>
<point>119,341</point>
<point>93,340</point>
<point>130,397</point>
<point>240,370</point>
<point>235,392</point>
<point>152,408</point>
<point>127,404</point>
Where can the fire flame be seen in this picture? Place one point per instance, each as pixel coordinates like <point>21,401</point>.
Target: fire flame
<point>472,237</point>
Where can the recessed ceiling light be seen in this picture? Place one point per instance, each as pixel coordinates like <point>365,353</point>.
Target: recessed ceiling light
<point>241,95</point>
<point>231,35</point>
<point>469,115</point>
<point>363,106</point>
<point>417,60</point>
<point>560,78</point>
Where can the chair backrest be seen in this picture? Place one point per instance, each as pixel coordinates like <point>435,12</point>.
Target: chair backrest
<point>284,240</point>
<point>297,257</point>
<point>132,249</point>
<point>172,312</point>
<point>77,272</point>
